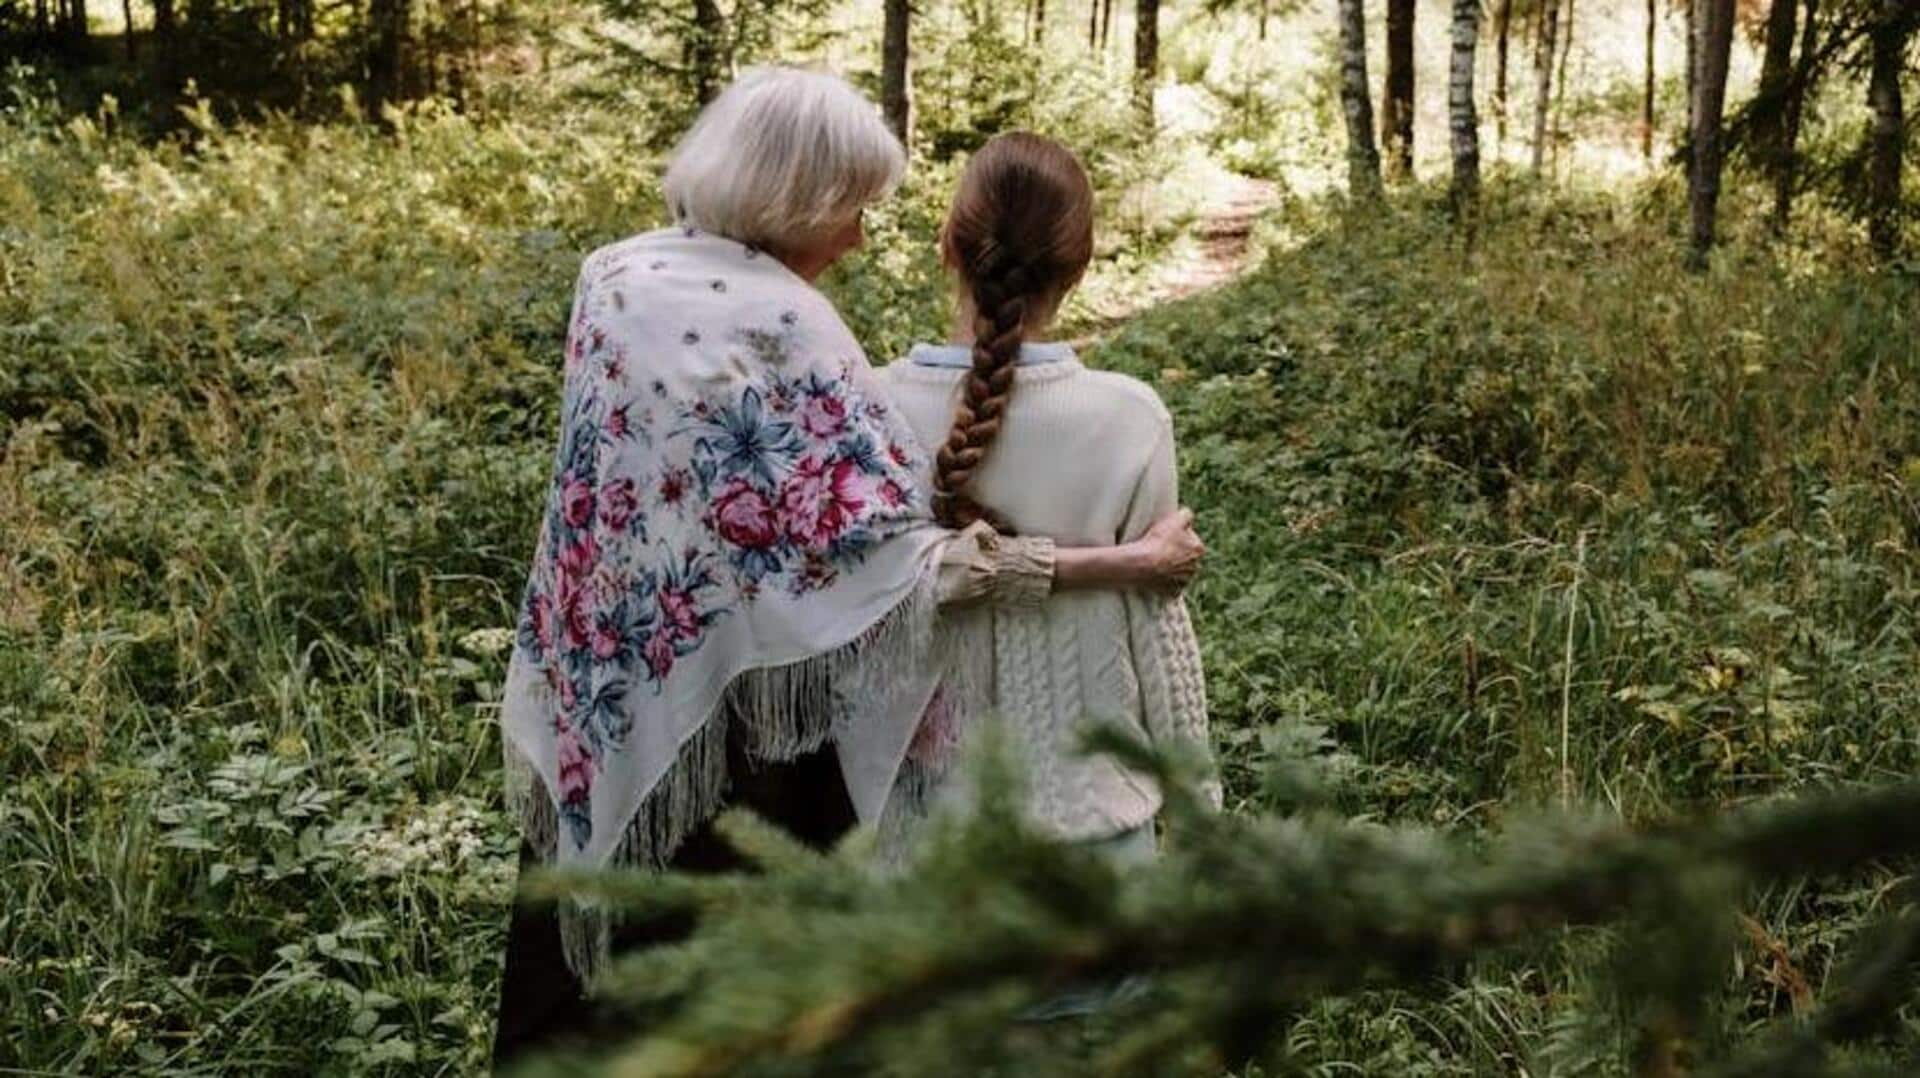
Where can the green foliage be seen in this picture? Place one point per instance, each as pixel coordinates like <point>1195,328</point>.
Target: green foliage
<point>819,966</point>
<point>269,398</point>
<point>1495,525</point>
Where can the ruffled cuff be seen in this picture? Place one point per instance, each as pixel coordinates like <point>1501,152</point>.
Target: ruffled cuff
<point>1023,570</point>
<point>979,563</point>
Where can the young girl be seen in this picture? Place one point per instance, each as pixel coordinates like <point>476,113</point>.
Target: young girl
<point>1038,445</point>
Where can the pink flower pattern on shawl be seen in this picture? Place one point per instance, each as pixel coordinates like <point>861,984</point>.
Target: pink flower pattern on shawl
<point>789,480</point>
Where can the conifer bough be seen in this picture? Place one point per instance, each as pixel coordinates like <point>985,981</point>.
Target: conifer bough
<point>815,966</point>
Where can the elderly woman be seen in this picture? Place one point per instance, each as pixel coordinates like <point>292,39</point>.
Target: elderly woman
<point>734,589</point>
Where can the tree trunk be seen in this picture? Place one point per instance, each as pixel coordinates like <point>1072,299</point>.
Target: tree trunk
<point>1093,24</point>
<point>73,26</point>
<point>163,21</point>
<point>1646,95</point>
<point>1803,70</point>
<point>709,30</point>
<point>1776,79</point>
<point>896,91</point>
<point>1892,29</point>
<point>1264,5</point>
<point>1502,24</point>
<point>126,15</point>
<point>1463,121</point>
<point>1716,46</point>
<point>1146,56</point>
<point>1560,85</point>
<point>1545,47</point>
<point>385,58</point>
<point>1693,80</point>
<point>1040,22</point>
<point>295,18</point>
<point>1106,23</point>
<point>1396,104</point>
<point>1363,158</point>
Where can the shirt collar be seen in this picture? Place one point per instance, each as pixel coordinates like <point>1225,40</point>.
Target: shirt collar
<point>1032,353</point>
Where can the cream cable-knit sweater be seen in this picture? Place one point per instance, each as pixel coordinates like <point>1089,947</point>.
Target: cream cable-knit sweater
<point>1085,458</point>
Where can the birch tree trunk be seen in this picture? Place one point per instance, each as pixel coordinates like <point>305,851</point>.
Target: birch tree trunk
<point>1463,121</point>
<point>1543,53</point>
<point>896,92</point>
<point>1716,46</point>
<point>1892,29</point>
<point>1396,104</point>
<point>1502,26</point>
<point>1363,158</point>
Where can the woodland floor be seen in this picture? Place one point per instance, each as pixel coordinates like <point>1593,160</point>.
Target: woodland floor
<point>1221,249</point>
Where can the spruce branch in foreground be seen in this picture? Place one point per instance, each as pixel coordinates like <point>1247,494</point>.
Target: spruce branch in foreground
<point>825,965</point>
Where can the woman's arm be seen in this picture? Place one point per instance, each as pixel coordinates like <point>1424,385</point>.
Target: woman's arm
<point>1164,559</point>
<point>981,564</point>
<point>1165,551</point>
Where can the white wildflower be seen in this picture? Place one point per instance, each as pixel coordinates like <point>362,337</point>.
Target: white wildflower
<point>487,642</point>
<point>437,838</point>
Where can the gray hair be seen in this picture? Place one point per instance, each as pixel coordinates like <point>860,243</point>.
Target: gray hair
<point>782,157</point>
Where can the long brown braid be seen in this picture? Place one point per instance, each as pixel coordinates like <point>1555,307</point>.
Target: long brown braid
<point>1019,236</point>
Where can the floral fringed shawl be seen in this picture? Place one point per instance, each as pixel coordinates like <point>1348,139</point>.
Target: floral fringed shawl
<point>734,534</point>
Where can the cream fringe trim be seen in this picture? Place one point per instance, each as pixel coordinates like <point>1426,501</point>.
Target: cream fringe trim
<point>784,712</point>
<point>964,642</point>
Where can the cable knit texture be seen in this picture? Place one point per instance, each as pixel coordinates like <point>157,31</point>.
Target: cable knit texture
<point>1084,458</point>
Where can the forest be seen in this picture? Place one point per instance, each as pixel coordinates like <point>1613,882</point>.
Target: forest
<point>1543,373</point>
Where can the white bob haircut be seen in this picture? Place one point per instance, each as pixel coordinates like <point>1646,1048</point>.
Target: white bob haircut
<point>782,158</point>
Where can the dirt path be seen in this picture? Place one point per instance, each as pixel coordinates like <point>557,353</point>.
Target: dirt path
<point>1225,238</point>
<point>1221,250</point>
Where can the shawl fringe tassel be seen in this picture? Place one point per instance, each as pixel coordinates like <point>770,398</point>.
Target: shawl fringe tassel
<point>784,712</point>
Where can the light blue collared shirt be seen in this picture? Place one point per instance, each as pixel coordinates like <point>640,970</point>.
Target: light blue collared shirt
<point>1032,353</point>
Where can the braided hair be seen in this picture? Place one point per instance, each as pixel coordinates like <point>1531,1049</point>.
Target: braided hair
<point>1018,238</point>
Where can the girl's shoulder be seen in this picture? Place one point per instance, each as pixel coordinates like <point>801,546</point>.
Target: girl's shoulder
<point>1123,395</point>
